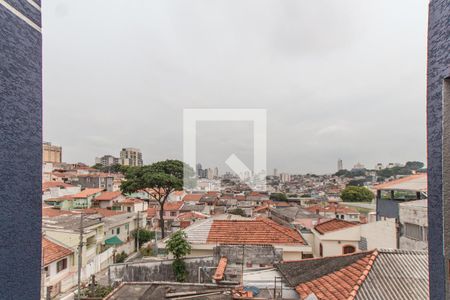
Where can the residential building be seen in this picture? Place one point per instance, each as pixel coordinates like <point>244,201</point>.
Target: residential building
<point>107,160</point>
<point>96,180</point>
<point>336,237</point>
<point>51,153</point>
<point>131,157</point>
<point>413,219</point>
<point>392,193</point>
<point>107,199</point>
<point>358,166</point>
<point>132,205</point>
<point>368,275</point>
<point>58,263</point>
<point>204,235</point>
<point>192,198</point>
<point>55,189</point>
<point>65,230</point>
<point>84,198</point>
<point>335,210</point>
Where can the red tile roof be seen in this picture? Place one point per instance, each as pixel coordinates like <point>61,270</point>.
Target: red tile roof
<point>333,225</point>
<point>220,270</point>
<point>103,211</point>
<point>50,184</point>
<point>87,192</point>
<point>173,206</point>
<point>131,201</point>
<point>261,231</point>
<point>192,197</point>
<point>342,284</point>
<point>151,212</point>
<point>52,252</point>
<point>50,212</point>
<point>108,196</point>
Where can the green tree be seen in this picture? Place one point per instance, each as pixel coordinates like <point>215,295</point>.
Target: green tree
<point>237,211</point>
<point>144,235</point>
<point>278,197</point>
<point>163,178</point>
<point>179,247</point>
<point>414,165</point>
<point>357,194</point>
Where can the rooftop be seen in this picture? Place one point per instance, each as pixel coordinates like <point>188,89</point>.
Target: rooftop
<point>51,184</point>
<point>108,196</point>
<point>376,274</point>
<point>87,192</point>
<point>52,251</point>
<point>70,222</point>
<point>333,225</point>
<point>416,182</point>
<point>192,197</point>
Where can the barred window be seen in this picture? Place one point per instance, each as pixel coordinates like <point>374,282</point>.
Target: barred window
<point>414,231</point>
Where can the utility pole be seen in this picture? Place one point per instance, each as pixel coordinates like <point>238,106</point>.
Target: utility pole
<point>80,248</point>
<point>243,259</point>
<point>137,232</point>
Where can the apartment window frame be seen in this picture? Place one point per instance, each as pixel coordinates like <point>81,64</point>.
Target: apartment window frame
<point>61,265</point>
<point>413,231</point>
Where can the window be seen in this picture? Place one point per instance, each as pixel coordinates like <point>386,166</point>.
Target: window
<point>414,231</point>
<point>348,249</point>
<point>173,214</point>
<point>61,265</point>
<point>47,274</point>
<point>128,209</point>
<point>321,250</point>
<point>118,230</point>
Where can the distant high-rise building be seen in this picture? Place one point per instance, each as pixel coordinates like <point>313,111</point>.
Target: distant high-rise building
<point>131,157</point>
<point>340,165</point>
<point>285,177</point>
<point>51,153</point>
<point>199,170</point>
<point>358,166</point>
<point>379,166</point>
<point>275,172</point>
<point>107,160</point>
<point>216,172</point>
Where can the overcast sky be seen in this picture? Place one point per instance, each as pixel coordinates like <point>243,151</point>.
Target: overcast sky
<point>339,79</point>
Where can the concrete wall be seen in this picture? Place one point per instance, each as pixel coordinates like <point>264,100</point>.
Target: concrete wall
<point>20,150</point>
<point>256,254</point>
<point>380,234</point>
<point>157,270</point>
<point>438,70</point>
<point>414,215</point>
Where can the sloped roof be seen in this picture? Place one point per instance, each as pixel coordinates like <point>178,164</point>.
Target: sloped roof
<point>50,184</point>
<point>258,232</point>
<point>50,212</point>
<point>53,252</point>
<point>173,206</point>
<point>402,274</point>
<point>103,212</point>
<point>87,192</point>
<point>108,196</point>
<point>192,197</point>
<point>377,274</point>
<point>191,215</point>
<point>416,182</point>
<point>333,225</point>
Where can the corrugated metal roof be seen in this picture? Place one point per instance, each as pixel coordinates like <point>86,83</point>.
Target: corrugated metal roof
<point>416,182</point>
<point>397,274</point>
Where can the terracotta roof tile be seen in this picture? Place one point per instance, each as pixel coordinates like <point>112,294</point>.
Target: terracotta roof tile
<point>332,225</point>
<point>87,192</point>
<point>103,211</point>
<point>192,197</point>
<point>50,184</point>
<point>220,270</point>
<point>52,252</point>
<point>257,232</point>
<point>151,212</point>
<point>108,196</point>
<point>173,206</point>
<point>50,212</point>
<point>191,215</point>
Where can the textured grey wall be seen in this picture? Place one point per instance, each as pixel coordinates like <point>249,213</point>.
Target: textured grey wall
<point>20,152</point>
<point>438,69</point>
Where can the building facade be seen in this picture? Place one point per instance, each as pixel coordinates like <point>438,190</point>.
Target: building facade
<point>131,157</point>
<point>20,147</point>
<point>107,160</point>
<point>51,153</point>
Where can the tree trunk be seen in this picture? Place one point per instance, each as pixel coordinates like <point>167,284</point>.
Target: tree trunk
<point>161,220</point>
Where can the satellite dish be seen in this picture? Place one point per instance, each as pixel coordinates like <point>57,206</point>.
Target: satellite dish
<point>312,296</point>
